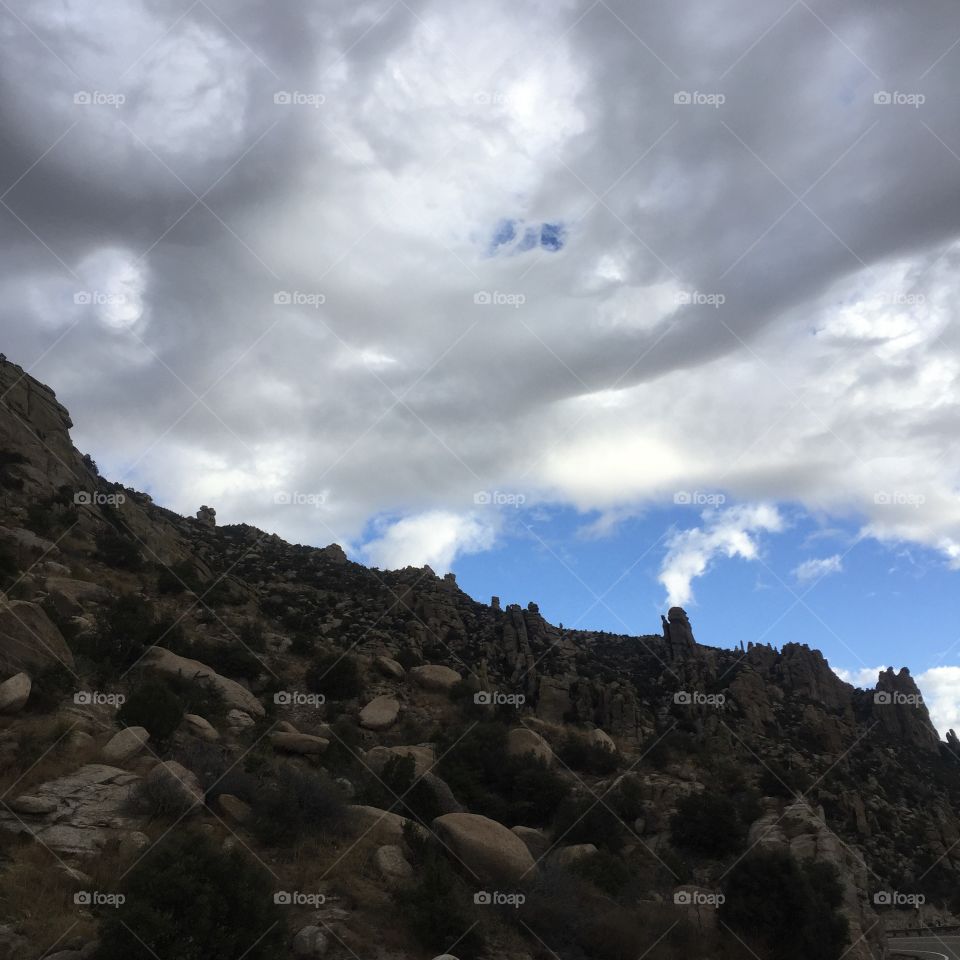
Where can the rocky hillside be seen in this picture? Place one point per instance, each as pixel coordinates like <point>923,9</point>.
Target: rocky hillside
<point>373,763</point>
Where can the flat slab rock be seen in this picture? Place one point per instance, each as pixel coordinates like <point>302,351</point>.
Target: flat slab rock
<point>86,808</point>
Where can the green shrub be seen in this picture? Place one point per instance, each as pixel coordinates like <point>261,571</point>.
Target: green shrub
<point>124,630</point>
<point>155,706</point>
<point>296,804</point>
<point>605,871</point>
<point>53,684</point>
<point>397,789</point>
<point>579,753</point>
<point>518,790</point>
<point>787,909</point>
<point>9,568</point>
<point>589,820</point>
<point>116,550</point>
<point>707,824</point>
<point>336,676</point>
<point>438,907</point>
<point>187,899</point>
<point>341,755</point>
<point>178,578</point>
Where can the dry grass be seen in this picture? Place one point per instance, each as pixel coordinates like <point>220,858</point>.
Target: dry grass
<point>43,751</point>
<point>36,898</point>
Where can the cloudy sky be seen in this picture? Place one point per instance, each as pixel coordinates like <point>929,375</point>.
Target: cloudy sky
<point>609,305</point>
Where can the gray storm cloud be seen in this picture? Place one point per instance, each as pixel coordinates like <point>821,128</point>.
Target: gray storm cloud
<point>250,246</point>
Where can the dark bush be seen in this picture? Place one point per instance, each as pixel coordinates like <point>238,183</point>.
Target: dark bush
<point>9,568</point>
<point>589,820</point>
<point>187,899</point>
<point>397,789</point>
<point>790,911</point>
<point>155,706</point>
<point>336,676</point>
<point>178,578</point>
<point>438,907</point>
<point>53,684</point>
<point>517,790</point>
<point>296,804</point>
<point>579,753</point>
<point>605,871</point>
<point>708,825</point>
<point>124,630</point>
<point>116,550</point>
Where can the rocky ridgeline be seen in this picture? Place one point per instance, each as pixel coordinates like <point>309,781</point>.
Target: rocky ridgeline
<point>855,778</point>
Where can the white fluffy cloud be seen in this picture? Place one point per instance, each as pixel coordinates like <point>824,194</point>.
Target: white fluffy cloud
<point>940,687</point>
<point>725,533</point>
<point>434,538</point>
<point>817,568</point>
<point>863,677</point>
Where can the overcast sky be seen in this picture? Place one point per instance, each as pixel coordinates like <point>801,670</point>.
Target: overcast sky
<point>411,275</point>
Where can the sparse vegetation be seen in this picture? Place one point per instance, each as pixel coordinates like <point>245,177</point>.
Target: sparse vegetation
<point>187,899</point>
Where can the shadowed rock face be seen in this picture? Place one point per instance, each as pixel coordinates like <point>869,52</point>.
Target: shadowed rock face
<point>901,713</point>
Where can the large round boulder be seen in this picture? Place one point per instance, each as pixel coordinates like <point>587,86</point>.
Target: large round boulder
<point>380,713</point>
<point>125,744</point>
<point>522,741</point>
<point>435,677</point>
<point>14,693</point>
<point>487,850</point>
<point>29,640</point>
